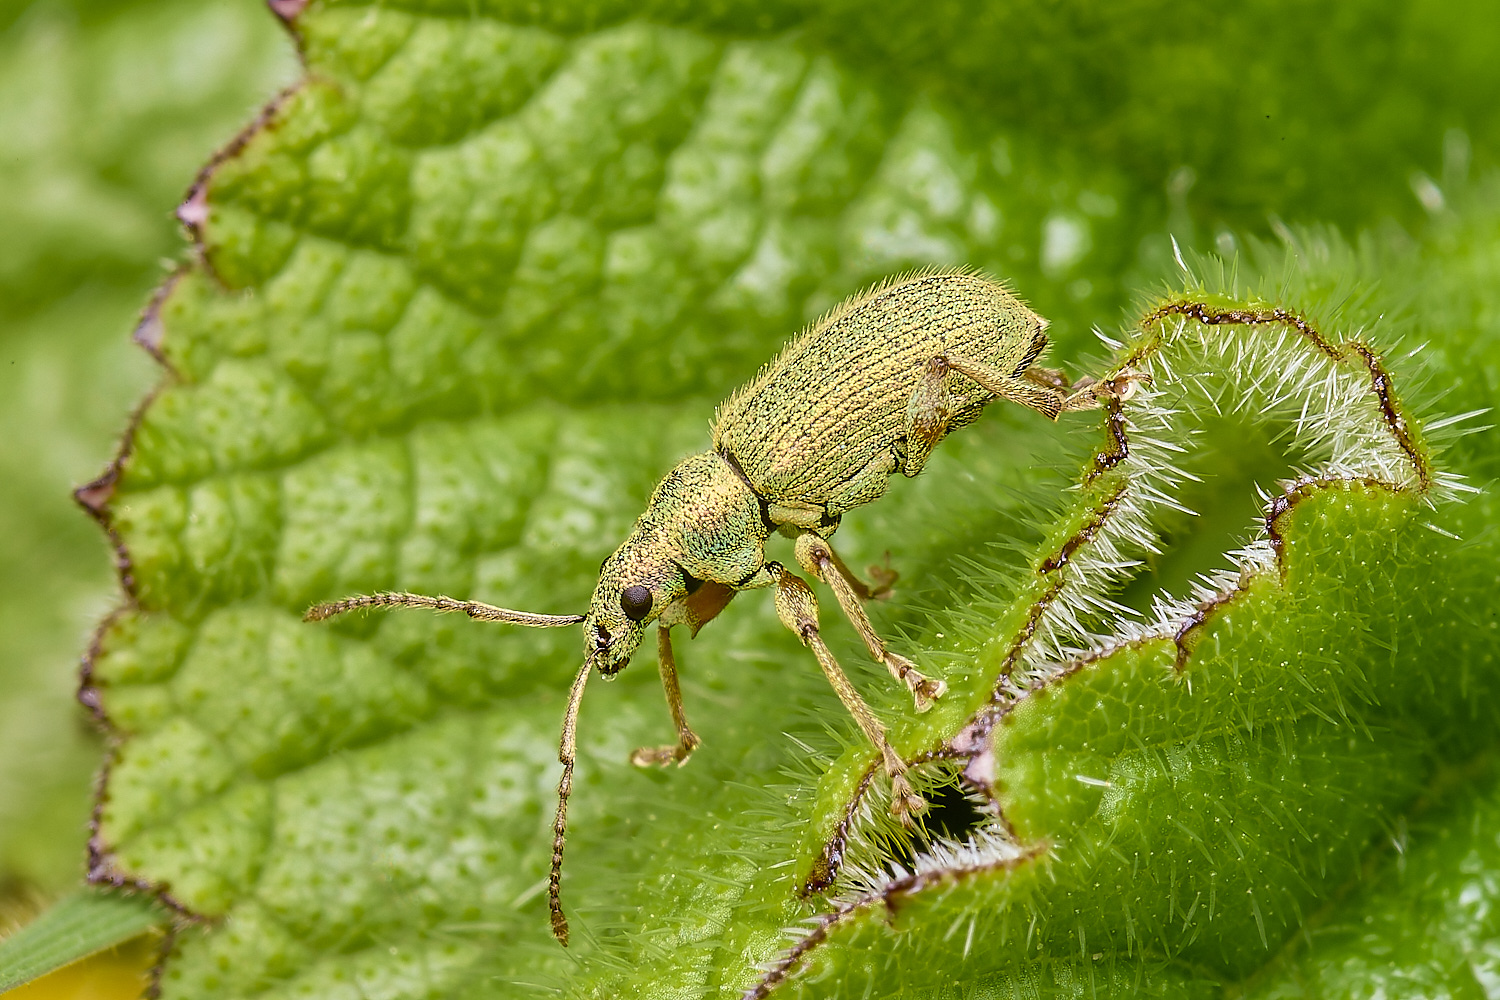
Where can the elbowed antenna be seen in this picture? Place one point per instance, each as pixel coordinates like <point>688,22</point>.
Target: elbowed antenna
<point>566,751</point>
<point>474,609</point>
<point>567,748</point>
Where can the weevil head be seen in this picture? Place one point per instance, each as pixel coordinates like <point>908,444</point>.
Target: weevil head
<point>699,539</point>
<point>634,589</point>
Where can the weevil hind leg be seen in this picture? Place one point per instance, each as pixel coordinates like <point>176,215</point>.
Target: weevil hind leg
<point>1044,398</point>
<point>929,415</point>
<point>817,557</point>
<point>933,407</point>
<point>1049,378</point>
<point>687,740</point>
<point>798,609</point>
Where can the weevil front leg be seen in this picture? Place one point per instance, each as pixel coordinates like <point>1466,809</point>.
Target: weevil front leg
<point>818,558</point>
<point>687,740</point>
<point>798,609</point>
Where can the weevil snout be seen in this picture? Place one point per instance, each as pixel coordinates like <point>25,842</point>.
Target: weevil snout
<point>610,650</point>
<point>609,644</point>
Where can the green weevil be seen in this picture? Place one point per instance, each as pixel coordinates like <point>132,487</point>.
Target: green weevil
<point>865,392</point>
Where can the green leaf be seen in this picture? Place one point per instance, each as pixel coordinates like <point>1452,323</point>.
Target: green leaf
<point>80,925</point>
<point>465,293</point>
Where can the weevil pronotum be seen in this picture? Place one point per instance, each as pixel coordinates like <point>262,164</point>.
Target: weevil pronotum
<point>865,392</point>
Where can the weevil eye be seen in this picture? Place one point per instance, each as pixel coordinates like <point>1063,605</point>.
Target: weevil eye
<point>635,601</point>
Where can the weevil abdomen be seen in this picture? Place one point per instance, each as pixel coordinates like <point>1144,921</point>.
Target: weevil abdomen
<point>824,425</point>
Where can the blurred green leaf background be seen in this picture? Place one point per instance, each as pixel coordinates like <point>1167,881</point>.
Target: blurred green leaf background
<point>107,110</point>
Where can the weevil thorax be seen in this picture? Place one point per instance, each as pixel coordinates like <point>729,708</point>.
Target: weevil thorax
<point>701,538</point>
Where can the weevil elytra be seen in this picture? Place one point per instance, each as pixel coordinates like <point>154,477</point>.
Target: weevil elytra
<point>864,393</point>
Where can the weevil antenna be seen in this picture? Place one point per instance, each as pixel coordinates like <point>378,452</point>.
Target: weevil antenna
<point>474,609</point>
<point>566,750</point>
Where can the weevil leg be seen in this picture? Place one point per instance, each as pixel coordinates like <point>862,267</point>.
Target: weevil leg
<point>929,412</point>
<point>882,578</point>
<point>1049,378</point>
<point>818,558</point>
<point>687,740</point>
<point>798,609</point>
<point>932,407</point>
<point>1088,393</point>
<point>1045,399</point>
<point>1084,396</point>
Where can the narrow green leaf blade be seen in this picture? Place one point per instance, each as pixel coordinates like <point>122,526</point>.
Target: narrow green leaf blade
<point>79,926</point>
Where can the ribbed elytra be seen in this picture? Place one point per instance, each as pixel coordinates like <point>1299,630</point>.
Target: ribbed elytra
<point>866,392</point>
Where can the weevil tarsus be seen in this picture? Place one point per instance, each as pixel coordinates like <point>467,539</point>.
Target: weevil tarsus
<point>882,578</point>
<point>1090,393</point>
<point>1087,393</point>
